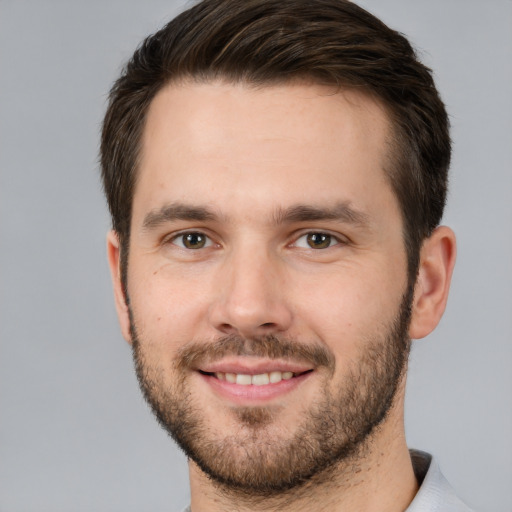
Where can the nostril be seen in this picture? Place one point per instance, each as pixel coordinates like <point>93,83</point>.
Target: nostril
<point>227,328</point>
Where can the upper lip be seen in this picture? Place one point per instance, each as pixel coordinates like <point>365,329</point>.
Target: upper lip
<point>253,366</point>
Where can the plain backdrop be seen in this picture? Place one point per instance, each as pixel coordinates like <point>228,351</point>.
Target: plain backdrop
<point>75,434</point>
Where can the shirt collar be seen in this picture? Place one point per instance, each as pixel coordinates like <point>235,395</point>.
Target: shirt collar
<point>435,493</point>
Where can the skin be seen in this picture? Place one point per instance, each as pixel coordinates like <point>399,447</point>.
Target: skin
<point>247,154</point>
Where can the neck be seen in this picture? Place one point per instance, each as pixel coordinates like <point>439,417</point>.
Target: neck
<point>379,478</point>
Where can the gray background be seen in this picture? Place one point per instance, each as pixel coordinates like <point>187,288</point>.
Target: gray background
<point>75,435</point>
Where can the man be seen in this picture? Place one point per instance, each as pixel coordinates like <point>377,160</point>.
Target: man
<point>276,174</point>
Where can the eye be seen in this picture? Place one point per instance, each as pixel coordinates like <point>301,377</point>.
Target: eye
<point>192,240</point>
<point>316,240</point>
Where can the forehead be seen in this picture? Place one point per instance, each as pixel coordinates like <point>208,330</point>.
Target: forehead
<point>245,145</point>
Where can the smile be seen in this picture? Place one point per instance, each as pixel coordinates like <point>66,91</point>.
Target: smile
<point>244,388</point>
<point>261,379</point>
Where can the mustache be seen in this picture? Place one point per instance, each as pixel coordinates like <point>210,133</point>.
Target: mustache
<point>193,355</point>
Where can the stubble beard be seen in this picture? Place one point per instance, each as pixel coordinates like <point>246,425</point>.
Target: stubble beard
<point>260,459</point>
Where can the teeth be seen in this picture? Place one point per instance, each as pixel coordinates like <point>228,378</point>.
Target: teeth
<point>244,380</point>
<point>275,377</point>
<point>230,377</point>
<point>261,379</point>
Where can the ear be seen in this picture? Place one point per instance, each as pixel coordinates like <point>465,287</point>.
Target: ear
<point>114,262</point>
<point>437,259</point>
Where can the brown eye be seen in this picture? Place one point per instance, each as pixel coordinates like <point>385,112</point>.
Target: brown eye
<point>318,240</point>
<point>192,240</point>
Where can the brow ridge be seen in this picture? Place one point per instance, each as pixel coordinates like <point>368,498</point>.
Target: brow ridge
<point>176,211</point>
<point>341,211</point>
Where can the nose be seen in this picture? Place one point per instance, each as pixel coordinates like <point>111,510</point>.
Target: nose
<point>250,296</point>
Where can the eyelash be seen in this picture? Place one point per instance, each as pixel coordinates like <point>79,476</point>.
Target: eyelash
<point>332,240</point>
<point>336,240</point>
<point>208,240</point>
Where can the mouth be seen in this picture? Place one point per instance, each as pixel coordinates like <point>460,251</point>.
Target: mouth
<point>260,379</point>
<point>245,384</point>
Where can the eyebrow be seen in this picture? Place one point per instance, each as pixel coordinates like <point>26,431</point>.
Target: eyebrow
<point>176,211</point>
<point>342,212</point>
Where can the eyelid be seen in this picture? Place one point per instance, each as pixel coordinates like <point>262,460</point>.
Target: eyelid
<point>172,237</point>
<point>338,238</point>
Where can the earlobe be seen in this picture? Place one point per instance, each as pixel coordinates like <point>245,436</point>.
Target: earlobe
<point>114,261</point>
<point>437,259</point>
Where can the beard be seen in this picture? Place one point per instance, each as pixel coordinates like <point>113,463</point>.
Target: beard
<point>258,457</point>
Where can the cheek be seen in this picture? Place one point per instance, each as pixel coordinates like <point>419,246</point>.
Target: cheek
<point>167,308</point>
<point>350,309</point>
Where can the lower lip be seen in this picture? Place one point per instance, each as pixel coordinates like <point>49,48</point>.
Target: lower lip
<point>251,393</point>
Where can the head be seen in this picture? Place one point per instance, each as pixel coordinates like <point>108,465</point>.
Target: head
<point>264,42</point>
<point>275,173</point>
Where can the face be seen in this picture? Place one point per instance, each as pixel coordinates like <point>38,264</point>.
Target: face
<point>267,278</point>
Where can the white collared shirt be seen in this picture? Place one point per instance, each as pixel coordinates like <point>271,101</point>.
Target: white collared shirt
<point>435,493</point>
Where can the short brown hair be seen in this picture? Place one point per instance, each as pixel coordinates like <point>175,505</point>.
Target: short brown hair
<point>262,42</point>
